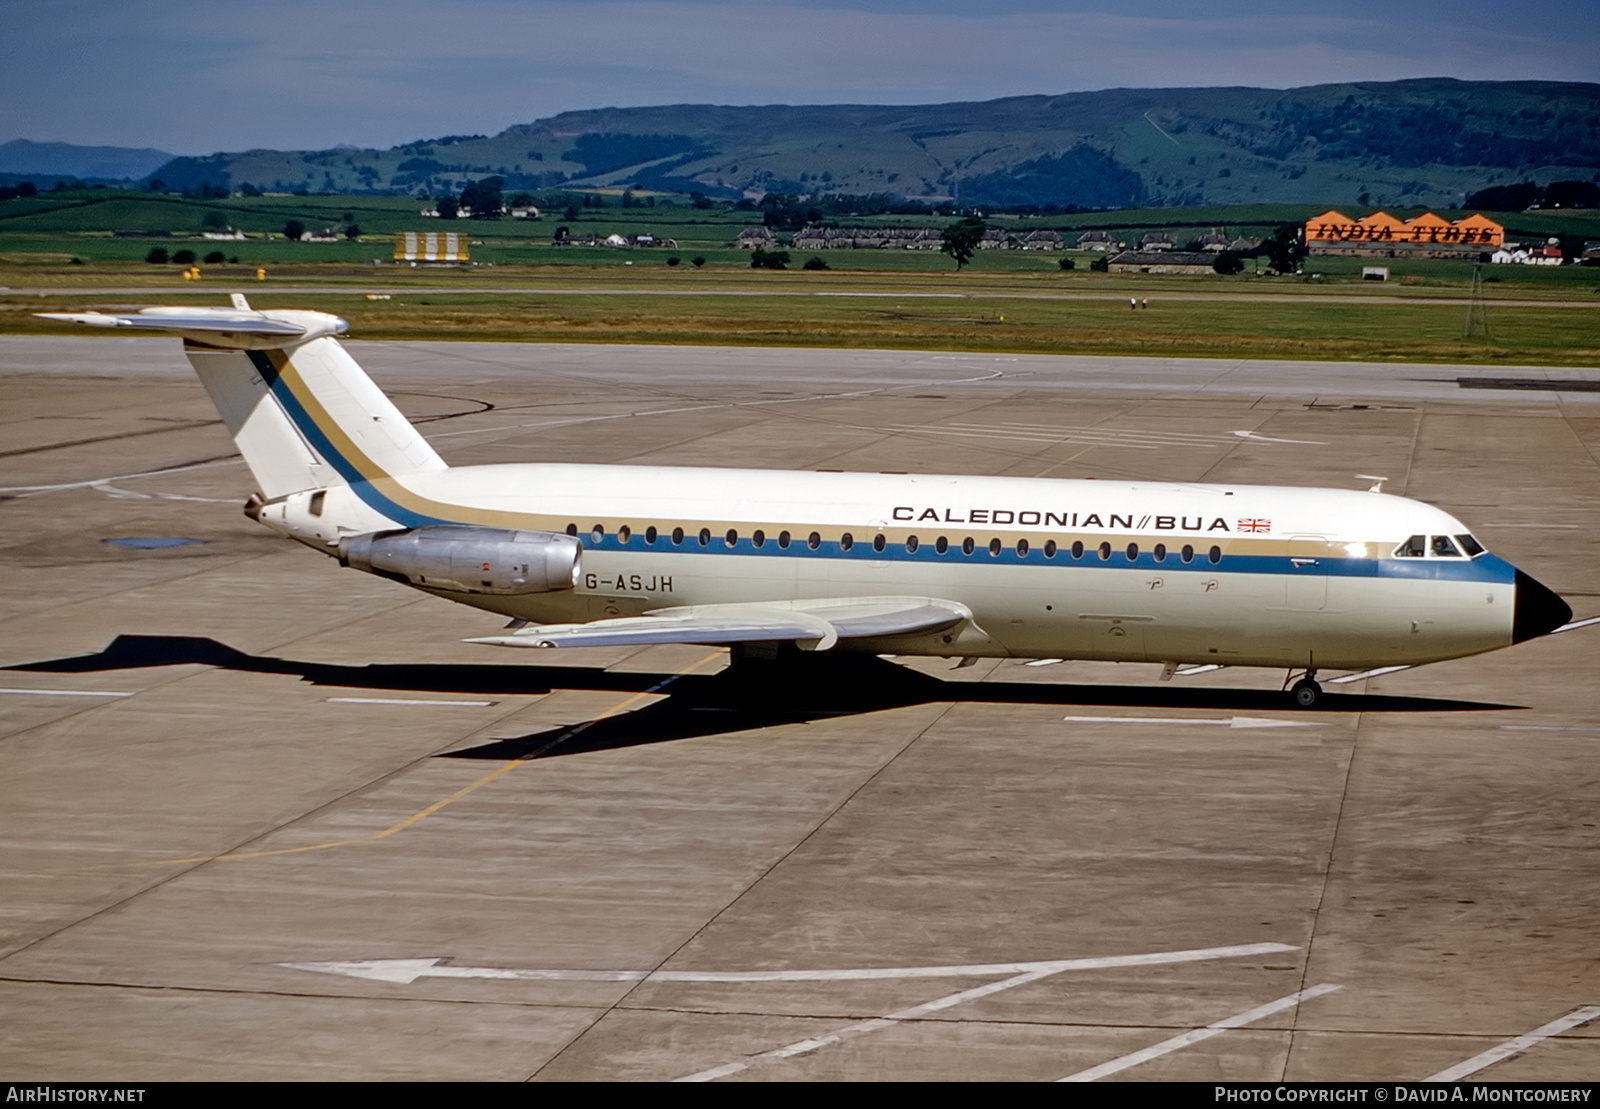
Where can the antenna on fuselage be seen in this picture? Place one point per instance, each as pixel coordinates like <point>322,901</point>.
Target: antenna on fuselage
<point>1377,482</point>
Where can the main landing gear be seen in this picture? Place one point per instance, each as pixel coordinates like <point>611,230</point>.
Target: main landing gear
<point>1306,691</point>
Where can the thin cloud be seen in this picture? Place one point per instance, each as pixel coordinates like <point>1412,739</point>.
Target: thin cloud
<point>197,77</point>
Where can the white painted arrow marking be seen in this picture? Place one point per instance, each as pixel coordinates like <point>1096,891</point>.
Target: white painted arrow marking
<point>406,971</point>
<point>1230,722</point>
<point>1270,439</point>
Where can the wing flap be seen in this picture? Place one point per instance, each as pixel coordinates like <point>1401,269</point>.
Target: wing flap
<point>815,624</point>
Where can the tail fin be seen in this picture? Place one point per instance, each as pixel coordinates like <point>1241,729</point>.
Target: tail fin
<point>304,414</point>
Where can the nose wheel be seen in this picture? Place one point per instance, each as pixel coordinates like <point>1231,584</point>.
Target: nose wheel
<point>1306,691</point>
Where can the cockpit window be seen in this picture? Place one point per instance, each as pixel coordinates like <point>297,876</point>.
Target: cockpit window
<point>1470,545</point>
<point>1415,547</point>
<point>1445,547</point>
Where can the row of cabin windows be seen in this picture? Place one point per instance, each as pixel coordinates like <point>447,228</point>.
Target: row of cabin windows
<point>847,541</point>
<point>1439,546</point>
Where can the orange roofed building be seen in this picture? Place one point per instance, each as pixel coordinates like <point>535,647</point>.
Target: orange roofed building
<point>1382,235</point>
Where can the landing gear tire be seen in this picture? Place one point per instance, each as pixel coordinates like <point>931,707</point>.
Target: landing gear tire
<point>1306,692</point>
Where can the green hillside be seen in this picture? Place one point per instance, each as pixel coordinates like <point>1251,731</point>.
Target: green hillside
<point>1419,143</point>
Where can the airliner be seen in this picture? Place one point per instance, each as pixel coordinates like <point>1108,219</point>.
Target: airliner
<point>900,564</point>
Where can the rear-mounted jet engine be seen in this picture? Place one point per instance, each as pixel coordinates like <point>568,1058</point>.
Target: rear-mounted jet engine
<point>468,559</point>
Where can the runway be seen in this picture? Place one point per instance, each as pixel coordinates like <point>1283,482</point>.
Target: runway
<point>264,818</point>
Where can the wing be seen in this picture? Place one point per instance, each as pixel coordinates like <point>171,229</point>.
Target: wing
<point>815,625</point>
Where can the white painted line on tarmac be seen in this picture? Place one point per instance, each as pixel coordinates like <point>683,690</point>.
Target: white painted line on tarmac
<point>1230,722</point>
<point>406,971</point>
<point>1543,728</point>
<point>861,1028</point>
<point>64,693</point>
<point>1176,1043</point>
<point>402,701</point>
<point>1044,662</point>
<point>1203,668</point>
<point>1037,971</point>
<point>1517,1046</point>
<point>1364,674</point>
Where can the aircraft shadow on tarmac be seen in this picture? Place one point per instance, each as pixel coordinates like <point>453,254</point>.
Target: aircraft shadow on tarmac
<point>748,694</point>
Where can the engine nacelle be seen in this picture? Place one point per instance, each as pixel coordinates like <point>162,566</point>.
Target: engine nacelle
<point>468,559</point>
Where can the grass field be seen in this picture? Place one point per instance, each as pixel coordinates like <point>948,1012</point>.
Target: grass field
<point>57,252</point>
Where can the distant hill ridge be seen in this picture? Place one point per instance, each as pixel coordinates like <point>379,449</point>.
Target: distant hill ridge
<point>1424,142</point>
<point>61,159</point>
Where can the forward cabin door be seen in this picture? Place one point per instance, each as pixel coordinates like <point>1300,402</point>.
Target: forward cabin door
<point>1306,583</point>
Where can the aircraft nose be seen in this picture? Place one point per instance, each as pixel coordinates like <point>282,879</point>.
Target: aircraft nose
<point>1538,611</point>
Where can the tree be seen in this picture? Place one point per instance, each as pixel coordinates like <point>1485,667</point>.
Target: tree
<point>1067,264</point>
<point>293,230</point>
<point>570,215</point>
<point>1284,250</point>
<point>673,260</point>
<point>353,232</point>
<point>814,263</point>
<point>1228,262</point>
<point>769,259</point>
<point>214,219</point>
<point>447,207</point>
<point>959,240</point>
<point>157,256</point>
<point>697,261</point>
<point>484,198</point>
<point>215,258</point>
<point>184,257</point>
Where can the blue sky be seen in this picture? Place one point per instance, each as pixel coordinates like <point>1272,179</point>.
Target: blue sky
<point>195,77</point>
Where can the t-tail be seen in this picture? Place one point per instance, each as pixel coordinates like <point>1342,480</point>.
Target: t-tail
<point>321,439</point>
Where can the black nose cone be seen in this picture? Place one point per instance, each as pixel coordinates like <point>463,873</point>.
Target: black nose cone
<point>1538,610</point>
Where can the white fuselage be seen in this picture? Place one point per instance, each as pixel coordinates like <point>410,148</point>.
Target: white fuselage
<point>1301,577</point>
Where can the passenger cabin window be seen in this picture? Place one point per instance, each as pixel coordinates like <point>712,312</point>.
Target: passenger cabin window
<point>1077,550</point>
<point>1187,554</point>
<point>783,540</point>
<point>1022,548</point>
<point>1215,555</point>
<point>813,541</point>
<point>597,533</point>
<point>1160,552</point>
<point>1105,552</point>
<point>967,545</point>
<point>911,544</point>
<point>758,538</point>
<point>879,542</point>
<point>1049,548</point>
<point>846,541</point>
<point>677,536</point>
<point>705,536</point>
<point>650,534</point>
<point>732,538</point>
<point>941,544</point>
<point>572,529</point>
<point>624,533</point>
<point>994,548</point>
<point>1133,552</point>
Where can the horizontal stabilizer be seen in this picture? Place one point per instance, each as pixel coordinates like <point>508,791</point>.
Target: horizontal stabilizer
<point>816,625</point>
<point>231,327</point>
<point>245,323</point>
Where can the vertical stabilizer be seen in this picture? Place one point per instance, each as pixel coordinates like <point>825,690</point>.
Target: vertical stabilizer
<point>304,415</point>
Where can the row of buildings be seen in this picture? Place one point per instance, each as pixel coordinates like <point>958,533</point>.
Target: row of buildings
<point>816,237</point>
